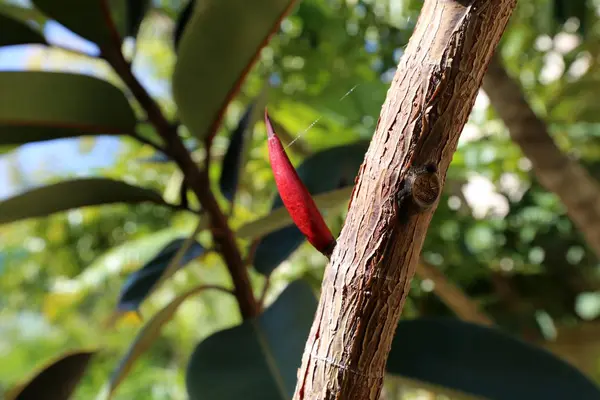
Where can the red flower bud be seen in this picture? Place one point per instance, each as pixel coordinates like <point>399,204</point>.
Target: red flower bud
<point>296,198</point>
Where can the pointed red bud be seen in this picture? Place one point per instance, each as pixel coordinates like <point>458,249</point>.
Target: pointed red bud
<point>296,198</point>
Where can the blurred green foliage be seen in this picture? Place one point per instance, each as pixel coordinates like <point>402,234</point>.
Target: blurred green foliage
<point>330,66</point>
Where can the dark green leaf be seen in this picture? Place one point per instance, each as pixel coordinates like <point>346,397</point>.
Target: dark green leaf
<point>322,172</point>
<point>138,285</point>
<point>56,381</point>
<point>214,56</point>
<point>483,362</point>
<point>276,247</point>
<point>234,157</point>
<point>230,171</point>
<point>259,359</point>
<point>71,194</point>
<point>147,336</point>
<point>88,19</point>
<point>182,21</point>
<point>36,106</point>
<point>13,32</point>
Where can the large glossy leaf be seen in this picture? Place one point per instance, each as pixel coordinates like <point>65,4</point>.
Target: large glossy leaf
<point>36,106</point>
<point>234,157</point>
<point>218,46</point>
<point>56,381</point>
<point>258,359</point>
<point>322,172</point>
<point>67,195</point>
<point>280,218</point>
<point>14,32</point>
<point>483,362</point>
<point>138,285</point>
<point>149,333</point>
<point>88,18</point>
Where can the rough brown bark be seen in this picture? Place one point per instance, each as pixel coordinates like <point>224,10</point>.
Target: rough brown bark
<point>369,275</point>
<point>577,190</point>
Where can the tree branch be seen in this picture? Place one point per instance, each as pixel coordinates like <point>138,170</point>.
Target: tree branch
<point>452,295</point>
<point>369,275</point>
<point>566,178</point>
<point>222,234</point>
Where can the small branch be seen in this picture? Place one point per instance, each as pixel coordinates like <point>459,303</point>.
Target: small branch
<point>115,37</point>
<point>150,143</point>
<point>214,287</point>
<point>250,256</point>
<point>556,172</point>
<point>197,180</point>
<point>181,207</point>
<point>263,294</point>
<point>452,295</point>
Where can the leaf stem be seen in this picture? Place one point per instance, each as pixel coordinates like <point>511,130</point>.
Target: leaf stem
<point>263,294</point>
<point>150,143</point>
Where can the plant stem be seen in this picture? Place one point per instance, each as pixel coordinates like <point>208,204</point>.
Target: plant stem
<point>150,143</point>
<point>197,180</point>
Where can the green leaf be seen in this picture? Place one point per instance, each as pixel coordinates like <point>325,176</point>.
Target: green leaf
<point>14,32</point>
<point>88,18</point>
<point>219,45</point>
<point>483,362</point>
<point>24,14</point>
<point>67,195</point>
<point>36,106</point>
<point>138,285</point>
<point>146,337</point>
<point>182,20</point>
<point>280,218</point>
<point>233,161</point>
<point>322,172</point>
<point>56,381</point>
<point>258,359</point>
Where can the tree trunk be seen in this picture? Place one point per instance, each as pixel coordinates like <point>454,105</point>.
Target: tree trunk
<point>369,274</point>
<point>577,190</point>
